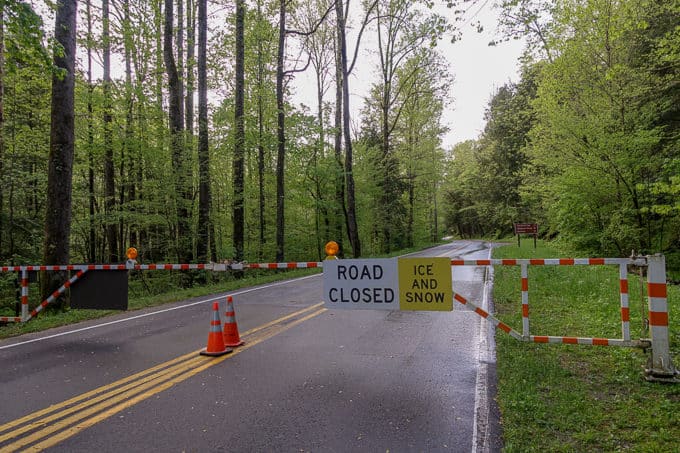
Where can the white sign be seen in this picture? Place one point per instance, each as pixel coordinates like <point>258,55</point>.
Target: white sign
<point>361,284</point>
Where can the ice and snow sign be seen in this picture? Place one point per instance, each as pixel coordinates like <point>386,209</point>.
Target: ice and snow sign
<point>425,284</point>
<point>361,284</point>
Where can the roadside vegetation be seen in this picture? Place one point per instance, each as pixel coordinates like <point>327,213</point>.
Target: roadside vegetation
<point>579,398</point>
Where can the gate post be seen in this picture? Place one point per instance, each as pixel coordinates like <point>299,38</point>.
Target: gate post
<point>660,366</point>
<point>24,295</point>
<point>525,300</point>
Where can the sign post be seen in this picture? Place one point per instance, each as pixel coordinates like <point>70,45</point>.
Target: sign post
<point>526,228</point>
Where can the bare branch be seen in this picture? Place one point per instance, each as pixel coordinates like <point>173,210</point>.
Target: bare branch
<point>316,26</point>
<point>361,32</point>
<point>297,70</point>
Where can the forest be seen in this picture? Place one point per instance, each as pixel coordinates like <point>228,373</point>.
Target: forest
<point>586,142</point>
<point>173,126</point>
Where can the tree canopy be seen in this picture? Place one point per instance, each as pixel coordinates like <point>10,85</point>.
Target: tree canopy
<point>586,142</point>
<point>265,178</point>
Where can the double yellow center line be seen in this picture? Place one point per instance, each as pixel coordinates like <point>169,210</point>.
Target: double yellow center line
<point>47,427</point>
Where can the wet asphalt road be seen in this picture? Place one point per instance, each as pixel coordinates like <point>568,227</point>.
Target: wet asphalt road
<point>322,381</point>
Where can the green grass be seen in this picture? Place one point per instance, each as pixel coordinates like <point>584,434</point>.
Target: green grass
<point>579,398</point>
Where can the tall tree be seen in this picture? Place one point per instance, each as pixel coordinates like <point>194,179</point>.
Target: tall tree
<point>281,73</point>
<point>181,169</point>
<point>190,64</point>
<point>340,203</point>
<point>597,105</point>
<point>179,38</point>
<point>500,157</point>
<point>260,101</point>
<point>21,45</point>
<point>62,137</point>
<point>419,132</point>
<point>128,192</point>
<point>239,139</point>
<point>204,196</point>
<point>92,238</point>
<point>280,135</point>
<point>402,31</point>
<point>319,46</point>
<point>2,117</point>
<point>352,228</point>
<point>109,182</point>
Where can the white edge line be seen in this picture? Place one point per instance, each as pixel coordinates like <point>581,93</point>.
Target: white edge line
<point>132,318</point>
<point>480,416</point>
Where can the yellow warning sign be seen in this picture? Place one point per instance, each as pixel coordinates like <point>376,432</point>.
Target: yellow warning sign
<point>425,284</point>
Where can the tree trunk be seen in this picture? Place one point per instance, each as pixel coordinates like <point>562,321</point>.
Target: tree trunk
<point>340,210</point>
<point>352,228</point>
<point>180,168</point>
<point>2,121</point>
<point>92,238</point>
<point>410,181</point>
<point>387,180</point>
<point>280,134</point>
<point>109,182</point>
<point>159,128</point>
<point>260,175</point>
<point>260,141</point>
<point>129,188</point>
<point>435,213</point>
<point>322,210</point>
<point>180,56</point>
<point>204,198</point>
<point>189,97</point>
<point>239,139</point>
<point>62,137</point>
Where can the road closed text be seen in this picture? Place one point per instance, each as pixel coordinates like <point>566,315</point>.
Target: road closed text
<point>361,284</point>
<point>365,295</point>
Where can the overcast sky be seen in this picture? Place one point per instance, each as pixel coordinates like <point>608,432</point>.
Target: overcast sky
<point>479,70</point>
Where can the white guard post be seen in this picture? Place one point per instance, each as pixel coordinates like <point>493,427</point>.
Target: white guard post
<point>660,366</point>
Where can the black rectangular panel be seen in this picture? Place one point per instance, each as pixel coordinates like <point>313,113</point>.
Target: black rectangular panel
<point>101,290</point>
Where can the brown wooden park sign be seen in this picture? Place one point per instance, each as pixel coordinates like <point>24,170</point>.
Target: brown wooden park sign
<point>526,228</point>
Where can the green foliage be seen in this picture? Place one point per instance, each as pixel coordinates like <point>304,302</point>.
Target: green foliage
<point>24,166</point>
<point>24,35</point>
<point>144,212</point>
<point>486,176</point>
<point>463,211</point>
<point>586,143</point>
<point>598,151</point>
<point>401,136</point>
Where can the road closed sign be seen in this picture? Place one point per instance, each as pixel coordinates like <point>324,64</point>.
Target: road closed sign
<point>388,284</point>
<point>425,284</point>
<point>361,284</point>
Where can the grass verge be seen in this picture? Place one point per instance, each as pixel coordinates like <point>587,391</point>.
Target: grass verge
<point>579,398</point>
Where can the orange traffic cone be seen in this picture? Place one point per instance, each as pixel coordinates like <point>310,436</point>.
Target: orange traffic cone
<point>216,346</point>
<point>231,336</point>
